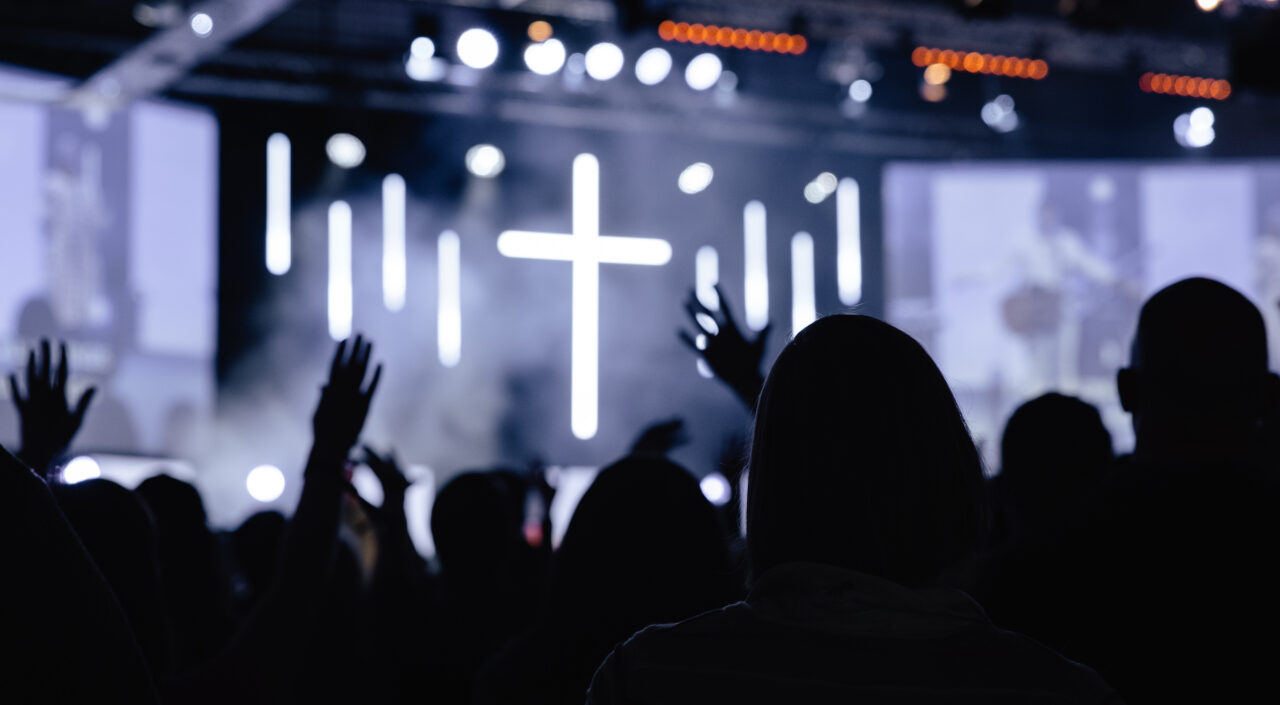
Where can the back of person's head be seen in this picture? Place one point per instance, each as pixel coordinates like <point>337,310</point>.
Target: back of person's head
<point>256,548</point>
<point>476,525</point>
<point>1198,374</point>
<point>644,545</point>
<point>861,459</point>
<point>1053,445</point>
<point>117,530</point>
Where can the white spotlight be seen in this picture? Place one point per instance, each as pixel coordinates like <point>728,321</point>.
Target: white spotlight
<point>202,24</point>
<point>715,487</point>
<point>422,48</point>
<point>695,178</point>
<point>545,58</point>
<point>340,292</point>
<point>345,150</point>
<point>860,91</point>
<point>1208,5</point>
<point>449,302</point>
<point>279,237</point>
<point>477,48</point>
<point>394,276</point>
<point>604,61</point>
<point>81,468</point>
<point>756,263</point>
<point>703,71</point>
<point>804,307</point>
<point>265,483</point>
<point>485,161</point>
<point>1194,130</point>
<point>653,66</point>
<point>999,114</point>
<point>848,242</point>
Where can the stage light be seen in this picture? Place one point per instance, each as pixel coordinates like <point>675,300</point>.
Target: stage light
<point>449,300</point>
<point>201,24</point>
<point>477,48</point>
<point>848,242</point>
<point>485,161</point>
<point>426,69</point>
<point>79,469</point>
<point>1194,130</point>
<point>973,62</point>
<point>860,91</point>
<point>999,114</point>
<point>653,66</point>
<point>706,274</point>
<point>587,249</point>
<point>813,193</point>
<point>732,37</point>
<point>755,251</point>
<point>826,181</point>
<point>604,61</point>
<point>265,483</point>
<point>937,74</point>
<point>345,150</point>
<point>715,488</point>
<point>394,275</point>
<point>1185,86</point>
<point>933,94</point>
<point>545,58</point>
<point>539,30</point>
<point>695,178</point>
<point>804,307</point>
<point>279,244</point>
<point>703,71</point>
<point>340,290</point>
<point>422,48</point>
<point>1208,5</point>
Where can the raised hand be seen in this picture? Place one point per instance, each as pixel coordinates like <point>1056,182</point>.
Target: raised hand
<point>733,358</point>
<point>393,481</point>
<point>48,423</point>
<point>344,400</point>
<point>661,438</point>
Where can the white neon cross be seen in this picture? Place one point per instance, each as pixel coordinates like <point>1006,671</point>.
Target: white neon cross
<point>587,249</point>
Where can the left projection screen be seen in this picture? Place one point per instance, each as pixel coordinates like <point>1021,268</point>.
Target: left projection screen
<point>109,236</point>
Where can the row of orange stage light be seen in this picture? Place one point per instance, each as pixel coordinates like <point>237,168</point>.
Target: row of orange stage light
<point>1185,86</point>
<point>973,62</point>
<point>732,37</point>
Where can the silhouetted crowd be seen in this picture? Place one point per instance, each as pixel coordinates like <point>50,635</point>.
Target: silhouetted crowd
<point>878,564</point>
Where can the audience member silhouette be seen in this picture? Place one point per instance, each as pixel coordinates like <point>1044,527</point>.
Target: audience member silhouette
<point>1054,455</point>
<point>644,547</point>
<point>1178,555</point>
<point>192,571</point>
<point>865,501</point>
<point>255,549</point>
<point>485,596</point>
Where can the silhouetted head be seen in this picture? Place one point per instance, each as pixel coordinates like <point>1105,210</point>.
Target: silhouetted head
<point>256,544</point>
<point>1197,381</point>
<point>117,530</point>
<point>173,503</point>
<point>1054,447</point>
<point>476,525</point>
<point>861,458</point>
<point>644,546</point>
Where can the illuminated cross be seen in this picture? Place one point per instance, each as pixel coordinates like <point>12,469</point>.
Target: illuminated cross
<point>587,249</point>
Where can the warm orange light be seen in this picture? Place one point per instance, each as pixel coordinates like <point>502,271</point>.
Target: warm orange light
<point>975,62</point>
<point>1039,69</point>
<point>539,30</point>
<point>732,37</point>
<point>1185,86</point>
<point>920,57</point>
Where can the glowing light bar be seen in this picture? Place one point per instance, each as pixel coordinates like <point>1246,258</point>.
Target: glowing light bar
<point>449,306</point>
<point>279,236</point>
<point>848,242</point>
<point>586,249</point>
<point>804,306</point>
<point>340,295</point>
<point>732,37</point>
<point>973,62</point>
<point>393,257</point>
<point>756,257</point>
<point>1185,86</point>
<point>706,271</point>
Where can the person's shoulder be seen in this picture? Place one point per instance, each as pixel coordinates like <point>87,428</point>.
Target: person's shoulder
<point>1033,659</point>
<point>708,624</point>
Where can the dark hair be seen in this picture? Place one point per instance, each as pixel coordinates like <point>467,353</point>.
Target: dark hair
<point>861,458</point>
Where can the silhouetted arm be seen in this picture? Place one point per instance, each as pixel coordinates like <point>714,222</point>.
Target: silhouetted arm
<point>400,568</point>
<point>262,660</point>
<point>48,423</point>
<point>64,634</point>
<point>734,359</point>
